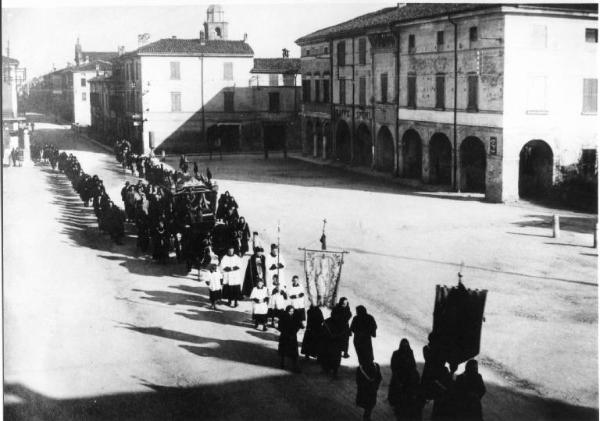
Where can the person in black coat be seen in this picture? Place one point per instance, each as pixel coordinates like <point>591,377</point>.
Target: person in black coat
<point>364,328</point>
<point>255,270</point>
<point>368,379</point>
<point>331,344</point>
<point>288,343</point>
<point>469,389</point>
<point>342,310</point>
<point>310,343</point>
<point>404,391</point>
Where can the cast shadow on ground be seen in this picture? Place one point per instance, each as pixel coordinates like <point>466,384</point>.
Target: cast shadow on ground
<point>306,396</point>
<point>577,224</point>
<point>441,262</point>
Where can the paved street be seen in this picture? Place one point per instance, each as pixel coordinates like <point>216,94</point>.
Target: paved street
<point>97,331</point>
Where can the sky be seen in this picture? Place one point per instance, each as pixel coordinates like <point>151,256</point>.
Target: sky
<point>44,34</point>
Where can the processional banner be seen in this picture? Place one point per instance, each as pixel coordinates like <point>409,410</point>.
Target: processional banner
<point>323,269</point>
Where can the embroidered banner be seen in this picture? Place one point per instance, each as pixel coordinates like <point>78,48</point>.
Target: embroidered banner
<point>323,270</point>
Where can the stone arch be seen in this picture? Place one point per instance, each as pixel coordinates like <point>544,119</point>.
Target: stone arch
<point>536,167</point>
<point>412,154</point>
<point>342,141</point>
<point>385,150</point>
<point>363,146</point>
<point>440,159</point>
<point>473,165</point>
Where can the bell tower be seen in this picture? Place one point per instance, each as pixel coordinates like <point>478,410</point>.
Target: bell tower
<point>78,55</point>
<point>215,26</point>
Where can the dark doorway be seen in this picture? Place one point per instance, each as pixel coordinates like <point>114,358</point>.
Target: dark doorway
<point>385,150</point>
<point>412,154</point>
<point>440,159</point>
<point>363,151</point>
<point>472,165</point>
<point>536,163</point>
<point>274,135</point>
<point>342,141</point>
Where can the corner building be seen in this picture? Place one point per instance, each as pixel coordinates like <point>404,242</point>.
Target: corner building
<point>487,98</point>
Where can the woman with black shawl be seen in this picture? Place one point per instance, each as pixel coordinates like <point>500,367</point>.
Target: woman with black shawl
<point>364,328</point>
<point>403,394</point>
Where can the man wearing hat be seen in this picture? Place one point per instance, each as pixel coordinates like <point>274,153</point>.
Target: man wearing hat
<point>275,266</point>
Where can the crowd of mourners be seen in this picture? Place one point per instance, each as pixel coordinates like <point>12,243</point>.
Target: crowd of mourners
<point>168,221</point>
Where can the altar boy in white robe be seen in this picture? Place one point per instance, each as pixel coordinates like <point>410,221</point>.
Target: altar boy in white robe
<point>296,295</point>
<point>232,279</point>
<point>260,307</point>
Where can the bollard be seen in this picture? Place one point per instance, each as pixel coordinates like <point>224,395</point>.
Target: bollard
<point>596,236</point>
<point>556,230</point>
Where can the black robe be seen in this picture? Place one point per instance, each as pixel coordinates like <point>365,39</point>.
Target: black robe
<point>367,383</point>
<point>288,342</point>
<point>331,344</point>
<point>310,343</point>
<point>252,274</point>
<point>363,327</point>
<point>469,389</point>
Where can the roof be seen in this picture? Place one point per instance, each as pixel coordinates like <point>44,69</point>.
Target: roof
<point>101,78</point>
<point>413,11</point>
<point>99,55</point>
<point>10,61</point>
<point>193,47</point>
<point>276,65</point>
<point>102,65</point>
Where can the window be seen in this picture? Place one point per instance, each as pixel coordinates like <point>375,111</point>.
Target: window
<point>384,87</point>
<point>326,90</point>
<point>412,91</point>
<point>362,91</point>
<point>411,43</point>
<point>473,36</point>
<point>440,91</point>
<point>362,51</point>
<point>342,91</point>
<point>317,90</point>
<point>83,81</point>
<point>306,90</point>
<point>218,32</point>
<point>83,96</point>
<point>175,70</point>
<point>228,71</point>
<point>590,96</point>
<point>273,102</point>
<point>591,35</point>
<point>536,93</point>
<point>175,102</point>
<point>326,50</point>
<point>341,53</point>
<point>273,80</point>
<point>308,51</point>
<point>473,87</point>
<point>440,40</point>
<point>228,101</point>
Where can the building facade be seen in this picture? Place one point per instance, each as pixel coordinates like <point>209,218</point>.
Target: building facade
<point>10,107</point>
<point>396,72</point>
<point>181,95</point>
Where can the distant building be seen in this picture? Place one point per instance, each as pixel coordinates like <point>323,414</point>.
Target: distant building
<point>65,93</point>
<point>181,95</point>
<point>9,87</point>
<point>525,103</point>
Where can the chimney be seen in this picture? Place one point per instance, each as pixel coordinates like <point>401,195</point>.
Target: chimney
<point>121,50</point>
<point>245,36</point>
<point>173,37</point>
<point>202,39</point>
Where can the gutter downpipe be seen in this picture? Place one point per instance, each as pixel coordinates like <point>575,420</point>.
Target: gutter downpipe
<point>455,164</point>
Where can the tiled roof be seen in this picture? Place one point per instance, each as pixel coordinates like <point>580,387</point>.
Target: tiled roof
<point>10,61</point>
<point>102,65</point>
<point>99,55</point>
<point>392,14</point>
<point>276,65</point>
<point>192,47</point>
<point>412,11</point>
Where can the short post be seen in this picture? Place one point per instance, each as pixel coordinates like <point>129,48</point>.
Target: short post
<point>556,229</point>
<point>596,236</point>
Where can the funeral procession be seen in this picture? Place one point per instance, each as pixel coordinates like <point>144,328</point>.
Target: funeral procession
<point>293,210</point>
